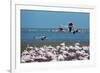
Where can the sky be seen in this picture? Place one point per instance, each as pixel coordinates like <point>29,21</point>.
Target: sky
<point>53,19</point>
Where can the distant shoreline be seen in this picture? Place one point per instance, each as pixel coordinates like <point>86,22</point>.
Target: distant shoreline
<point>50,29</point>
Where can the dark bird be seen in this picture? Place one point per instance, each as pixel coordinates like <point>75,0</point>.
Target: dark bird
<point>70,27</point>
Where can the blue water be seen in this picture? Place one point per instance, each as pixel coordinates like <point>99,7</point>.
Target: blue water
<point>30,36</point>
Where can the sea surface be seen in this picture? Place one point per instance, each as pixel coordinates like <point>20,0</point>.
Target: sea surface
<point>31,35</point>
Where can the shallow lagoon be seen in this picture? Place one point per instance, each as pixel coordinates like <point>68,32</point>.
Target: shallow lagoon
<point>54,38</point>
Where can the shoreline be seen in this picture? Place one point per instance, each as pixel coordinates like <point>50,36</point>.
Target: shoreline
<point>53,43</point>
